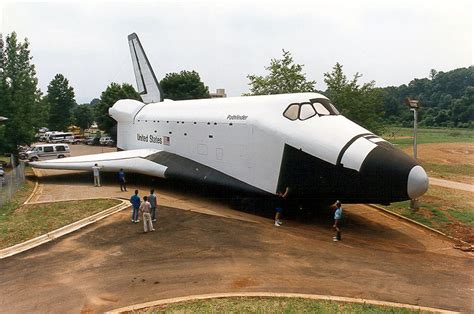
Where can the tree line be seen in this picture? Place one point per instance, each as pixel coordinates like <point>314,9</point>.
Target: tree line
<point>447,98</point>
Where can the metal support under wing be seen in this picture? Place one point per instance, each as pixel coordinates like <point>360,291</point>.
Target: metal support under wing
<point>130,160</point>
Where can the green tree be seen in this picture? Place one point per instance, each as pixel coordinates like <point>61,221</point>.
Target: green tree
<point>83,115</point>
<point>60,98</point>
<point>444,97</point>
<point>19,94</point>
<point>184,85</point>
<point>108,98</point>
<point>462,111</point>
<point>284,77</point>
<point>360,103</point>
<point>42,113</point>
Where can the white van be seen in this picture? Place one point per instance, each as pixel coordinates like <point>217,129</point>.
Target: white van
<point>48,151</point>
<point>106,140</point>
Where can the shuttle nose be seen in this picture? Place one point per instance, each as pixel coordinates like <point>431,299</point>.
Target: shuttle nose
<point>417,182</point>
<point>389,174</point>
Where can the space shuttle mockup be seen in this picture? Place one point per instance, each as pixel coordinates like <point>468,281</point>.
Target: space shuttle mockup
<point>261,144</point>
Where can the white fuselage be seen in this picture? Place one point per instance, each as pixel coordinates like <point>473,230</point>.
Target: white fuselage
<point>266,144</point>
<point>243,137</point>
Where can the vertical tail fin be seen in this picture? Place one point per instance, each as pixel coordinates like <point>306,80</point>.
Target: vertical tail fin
<point>148,86</point>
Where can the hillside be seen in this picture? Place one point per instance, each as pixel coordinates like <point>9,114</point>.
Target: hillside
<point>447,100</point>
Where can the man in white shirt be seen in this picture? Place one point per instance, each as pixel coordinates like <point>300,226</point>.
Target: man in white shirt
<point>96,171</point>
<point>145,209</point>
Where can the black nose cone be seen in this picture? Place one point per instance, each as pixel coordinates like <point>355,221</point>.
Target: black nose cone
<point>384,174</point>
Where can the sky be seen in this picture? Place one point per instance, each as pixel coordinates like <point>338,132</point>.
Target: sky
<point>390,42</point>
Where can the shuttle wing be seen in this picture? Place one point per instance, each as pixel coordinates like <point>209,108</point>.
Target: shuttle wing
<point>130,160</point>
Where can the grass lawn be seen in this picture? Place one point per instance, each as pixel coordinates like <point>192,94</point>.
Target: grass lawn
<point>404,136</point>
<point>443,153</point>
<point>270,305</point>
<point>454,172</point>
<point>21,223</point>
<point>448,210</point>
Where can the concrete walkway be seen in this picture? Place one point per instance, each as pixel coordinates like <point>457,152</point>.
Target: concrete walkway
<point>57,185</point>
<point>452,184</point>
<point>142,306</point>
<point>55,234</point>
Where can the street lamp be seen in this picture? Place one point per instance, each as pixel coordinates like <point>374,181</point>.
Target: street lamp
<point>414,105</point>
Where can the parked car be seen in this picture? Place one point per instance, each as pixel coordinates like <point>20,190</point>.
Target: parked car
<point>92,141</point>
<point>77,139</point>
<point>22,151</point>
<point>106,140</point>
<point>48,151</point>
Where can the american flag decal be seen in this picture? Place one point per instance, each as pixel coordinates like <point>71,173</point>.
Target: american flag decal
<point>166,140</point>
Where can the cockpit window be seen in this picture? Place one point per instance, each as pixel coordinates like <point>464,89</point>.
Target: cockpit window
<point>306,111</point>
<point>327,104</point>
<point>320,109</point>
<point>292,111</point>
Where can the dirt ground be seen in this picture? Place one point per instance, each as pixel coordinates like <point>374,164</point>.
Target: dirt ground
<point>445,153</point>
<point>113,264</point>
<point>451,154</point>
<point>203,245</point>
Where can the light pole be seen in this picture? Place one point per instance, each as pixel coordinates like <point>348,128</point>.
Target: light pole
<point>414,105</point>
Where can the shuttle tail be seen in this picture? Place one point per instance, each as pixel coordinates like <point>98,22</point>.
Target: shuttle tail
<point>148,86</point>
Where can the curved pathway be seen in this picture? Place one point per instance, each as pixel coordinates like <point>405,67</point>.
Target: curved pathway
<point>452,184</point>
<point>137,307</point>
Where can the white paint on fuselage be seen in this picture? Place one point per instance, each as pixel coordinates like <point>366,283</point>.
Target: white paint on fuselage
<point>243,137</point>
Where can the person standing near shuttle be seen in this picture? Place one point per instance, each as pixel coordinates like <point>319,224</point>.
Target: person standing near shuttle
<point>135,200</point>
<point>280,204</point>
<point>152,201</point>
<point>122,181</point>
<point>145,210</point>
<point>337,222</point>
<point>255,144</point>
<point>96,173</point>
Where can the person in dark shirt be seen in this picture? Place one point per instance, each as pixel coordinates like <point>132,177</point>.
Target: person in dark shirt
<point>122,181</point>
<point>135,200</point>
<point>152,200</point>
<point>279,206</point>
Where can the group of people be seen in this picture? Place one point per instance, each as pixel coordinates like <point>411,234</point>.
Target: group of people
<point>147,208</point>
<point>279,204</point>
<point>121,176</point>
